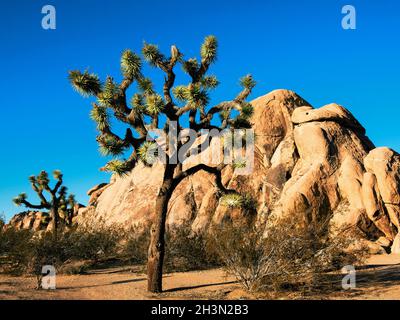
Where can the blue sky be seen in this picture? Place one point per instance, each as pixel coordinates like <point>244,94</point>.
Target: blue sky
<point>298,45</point>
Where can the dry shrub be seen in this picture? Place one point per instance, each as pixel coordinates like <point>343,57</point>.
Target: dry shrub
<point>81,248</point>
<point>187,250</point>
<point>184,249</point>
<point>282,255</point>
<point>15,250</point>
<point>136,244</point>
<point>22,251</point>
<point>101,242</point>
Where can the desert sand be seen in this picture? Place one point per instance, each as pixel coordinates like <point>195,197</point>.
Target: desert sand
<point>379,278</point>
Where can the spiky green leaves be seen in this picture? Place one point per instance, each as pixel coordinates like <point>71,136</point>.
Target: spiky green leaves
<point>100,115</point>
<point>247,110</point>
<point>130,65</point>
<point>148,152</point>
<point>137,101</point>
<point>84,83</point>
<point>208,50</point>
<point>193,94</point>
<point>239,163</point>
<point>148,101</point>
<point>63,191</point>
<point>154,104</point>
<point>41,181</point>
<point>109,94</point>
<point>118,166</point>
<point>20,199</point>
<point>138,105</point>
<point>208,53</point>
<point>180,93</point>
<point>190,66</point>
<point>71,200</point>
<point>240,122</point>
<point>209,82</point>
<point>146,86</point>
<point>235,200</point>
<point>43,178</point>
<point>111,145</point>
<point>232,200</point>
<point>57,174</point>
<point>248,82</point>
<point>153,55</point>
<point>197,96</point>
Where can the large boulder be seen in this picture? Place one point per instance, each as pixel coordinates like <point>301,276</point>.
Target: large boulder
<point>331,146</point>
<point>29,220</point>
<point>317,163</point>
<point>382,190</point>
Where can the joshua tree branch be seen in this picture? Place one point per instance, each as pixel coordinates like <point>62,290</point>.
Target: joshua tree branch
<point>168,84</point>
<point>58,185</point>
<point>39,192</point>
<point>226,105</point>
<point>216,171</point>
<point>185,109</point>
<point>32,206</point>
<point>47,188</point>
<point>125,84</point>
<point>243,95</point>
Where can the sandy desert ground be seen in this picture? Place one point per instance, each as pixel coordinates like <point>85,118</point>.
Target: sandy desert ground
<point>379,278</point>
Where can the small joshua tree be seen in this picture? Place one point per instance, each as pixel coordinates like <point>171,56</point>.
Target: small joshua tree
<point>149,110</point>
<point>58,200</point>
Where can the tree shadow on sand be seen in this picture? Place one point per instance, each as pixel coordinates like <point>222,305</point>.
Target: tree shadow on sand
<point>102,285</point>
<point>368,276</point>
<point>199,286</point>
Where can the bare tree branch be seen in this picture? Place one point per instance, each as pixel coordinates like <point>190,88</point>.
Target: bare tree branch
<point>32,206</point>
<point>216,171</point>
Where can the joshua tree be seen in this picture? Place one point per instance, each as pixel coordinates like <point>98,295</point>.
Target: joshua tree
<point>2,221</point>
<point>58,201</point>
<point>149,110</point>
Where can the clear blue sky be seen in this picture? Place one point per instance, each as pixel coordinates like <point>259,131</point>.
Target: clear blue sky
<point>298,45</point>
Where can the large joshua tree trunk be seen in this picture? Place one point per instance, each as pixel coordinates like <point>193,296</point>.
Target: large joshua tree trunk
<point>157,234</point>
<point>54,223</point>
